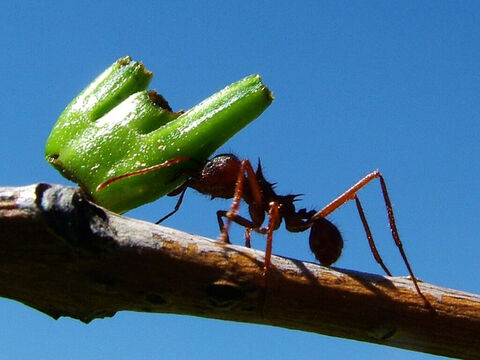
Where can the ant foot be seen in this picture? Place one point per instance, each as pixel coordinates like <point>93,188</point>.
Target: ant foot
<point>223,238</point>
<point>248,237</point>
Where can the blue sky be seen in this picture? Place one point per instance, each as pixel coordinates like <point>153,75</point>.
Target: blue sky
<point>359,85</point>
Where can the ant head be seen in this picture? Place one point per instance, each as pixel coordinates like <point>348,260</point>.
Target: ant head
<point>325,241</point>
<point>218,176</point>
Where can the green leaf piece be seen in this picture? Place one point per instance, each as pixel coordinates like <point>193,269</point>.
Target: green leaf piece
<point>115,126</point>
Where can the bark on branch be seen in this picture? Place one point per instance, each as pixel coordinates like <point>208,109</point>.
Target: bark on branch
<point>65,256</point>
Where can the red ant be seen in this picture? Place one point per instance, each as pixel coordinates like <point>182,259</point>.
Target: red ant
<point>224,176</point>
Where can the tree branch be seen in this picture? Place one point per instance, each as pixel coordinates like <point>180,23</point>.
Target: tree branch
<point>65,256</point>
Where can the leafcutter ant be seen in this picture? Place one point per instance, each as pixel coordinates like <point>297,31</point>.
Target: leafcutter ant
<point>224,176</point>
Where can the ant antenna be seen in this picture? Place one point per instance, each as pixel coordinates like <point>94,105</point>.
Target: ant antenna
<point>166,163</point>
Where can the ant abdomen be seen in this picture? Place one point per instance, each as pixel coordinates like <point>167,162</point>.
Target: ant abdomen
<point>325,241</point>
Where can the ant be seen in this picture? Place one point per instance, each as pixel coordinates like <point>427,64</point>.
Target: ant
<point>224,176</point>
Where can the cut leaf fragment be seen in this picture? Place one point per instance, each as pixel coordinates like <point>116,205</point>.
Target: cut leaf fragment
<point>115,126</point>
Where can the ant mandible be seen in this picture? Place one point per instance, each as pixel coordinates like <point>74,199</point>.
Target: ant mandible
<point>224,176</point>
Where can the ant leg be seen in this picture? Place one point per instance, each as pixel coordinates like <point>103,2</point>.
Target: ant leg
<point>175,209</point>
<point>248,237</point>
<point>273,214</point>
<point>245,167</point>
<point>371,242</point>
<point>350,194</point>
<point>240,220</point>
<point>347,195</point>
<point>396,237</point>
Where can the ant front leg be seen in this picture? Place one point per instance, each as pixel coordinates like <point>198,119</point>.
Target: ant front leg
<point>273,219</point>
<point>232,214</point>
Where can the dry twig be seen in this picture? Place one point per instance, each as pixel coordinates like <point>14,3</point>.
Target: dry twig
<point>65,256</point>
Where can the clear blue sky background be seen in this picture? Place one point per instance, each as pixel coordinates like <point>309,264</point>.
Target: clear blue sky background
<point>359,85</point>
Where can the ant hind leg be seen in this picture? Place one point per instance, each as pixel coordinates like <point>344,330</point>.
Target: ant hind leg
<point>371,242</point>
<point>351,194</point>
